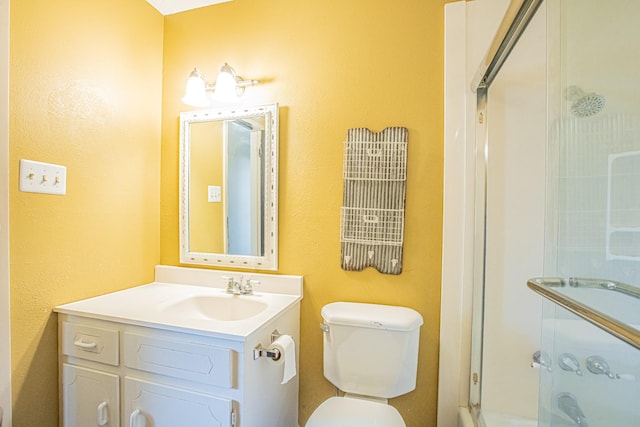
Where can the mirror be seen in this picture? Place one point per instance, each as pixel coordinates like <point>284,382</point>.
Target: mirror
<point>229,187</point>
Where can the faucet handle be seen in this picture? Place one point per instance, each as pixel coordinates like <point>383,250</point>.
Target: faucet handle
<point>598,365</point>
<point>230,283</point>
<point>247,288</point>
<point>568,362</point>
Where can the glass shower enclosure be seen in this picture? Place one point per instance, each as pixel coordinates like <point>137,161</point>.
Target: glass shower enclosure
<point>590,341</point>
<point>557,194</point>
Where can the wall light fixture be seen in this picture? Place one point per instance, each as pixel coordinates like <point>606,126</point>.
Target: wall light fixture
<point>228,87</point>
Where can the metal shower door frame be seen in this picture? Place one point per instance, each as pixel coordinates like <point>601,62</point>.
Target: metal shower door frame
<point>515,21</point>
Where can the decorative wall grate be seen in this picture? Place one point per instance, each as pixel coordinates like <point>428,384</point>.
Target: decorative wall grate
<point>372,226</point>
<point>375,160</point>
<point>372,216</point>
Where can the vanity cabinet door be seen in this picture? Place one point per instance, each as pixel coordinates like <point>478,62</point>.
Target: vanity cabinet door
<point>149,404</point>
<point>90,397</point>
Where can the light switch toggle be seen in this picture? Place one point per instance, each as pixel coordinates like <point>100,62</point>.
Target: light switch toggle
<point>39,177</point>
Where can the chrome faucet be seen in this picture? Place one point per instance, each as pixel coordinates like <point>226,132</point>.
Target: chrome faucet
<point>569,405</point>
<point>541,360</point>
<point>238,288</point>
<point>233,286</point>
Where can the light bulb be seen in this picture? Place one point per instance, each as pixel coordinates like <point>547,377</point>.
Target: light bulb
<point>226,90</point>
<point>196,90</point>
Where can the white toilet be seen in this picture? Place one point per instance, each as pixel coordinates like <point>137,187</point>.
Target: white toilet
<point>370,353</point>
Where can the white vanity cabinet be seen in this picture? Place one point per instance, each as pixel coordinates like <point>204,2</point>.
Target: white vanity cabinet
<point>118,374</point>
<point>181,352</point>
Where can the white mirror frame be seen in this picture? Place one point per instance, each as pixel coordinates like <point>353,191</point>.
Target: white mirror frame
<point>269,261</point>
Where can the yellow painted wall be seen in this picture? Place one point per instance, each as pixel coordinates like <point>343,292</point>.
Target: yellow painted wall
<point>85,79</point>
<point>206,219</point>
<point>331,65</point>
<point>85,92</point>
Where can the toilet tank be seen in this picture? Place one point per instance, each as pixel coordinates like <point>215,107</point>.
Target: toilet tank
<point>371,349</point>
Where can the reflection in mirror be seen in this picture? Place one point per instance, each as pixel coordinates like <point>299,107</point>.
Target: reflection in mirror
<point>228,180</point>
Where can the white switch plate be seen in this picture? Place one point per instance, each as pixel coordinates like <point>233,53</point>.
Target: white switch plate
<point>38,177</point>
<point>214,193</point>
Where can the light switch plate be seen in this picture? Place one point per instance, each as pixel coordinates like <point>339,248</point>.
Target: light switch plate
<point>38,177</point>
<point>214,193</point>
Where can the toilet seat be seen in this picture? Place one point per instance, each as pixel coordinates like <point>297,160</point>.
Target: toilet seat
<point>353,412</point>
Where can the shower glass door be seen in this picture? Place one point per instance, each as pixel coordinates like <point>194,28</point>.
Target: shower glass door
<point>593,208</point>
<point>595,136</point>
<point>557,185</point>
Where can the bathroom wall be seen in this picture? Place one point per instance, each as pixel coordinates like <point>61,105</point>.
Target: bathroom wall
<point>331,65</point>
<point>85,92</point>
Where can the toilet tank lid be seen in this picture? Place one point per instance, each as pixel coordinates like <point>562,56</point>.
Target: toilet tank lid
<point>373,316</point>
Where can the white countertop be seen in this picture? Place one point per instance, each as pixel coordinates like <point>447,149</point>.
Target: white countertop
<point>145,305</point>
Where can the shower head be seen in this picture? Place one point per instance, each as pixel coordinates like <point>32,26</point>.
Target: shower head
<point>588,105</point>
<point>584,104</point>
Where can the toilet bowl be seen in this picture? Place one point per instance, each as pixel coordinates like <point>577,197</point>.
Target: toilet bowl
<point>354,334</point>
<point>355,412</point>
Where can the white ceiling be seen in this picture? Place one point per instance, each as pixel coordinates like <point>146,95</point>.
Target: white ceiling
<point>168,7</point>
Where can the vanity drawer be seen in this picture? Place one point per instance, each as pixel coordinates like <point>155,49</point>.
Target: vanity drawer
<point>90,343</point>
<point>209,364</point>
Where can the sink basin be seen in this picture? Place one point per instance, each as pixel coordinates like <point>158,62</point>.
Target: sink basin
<point>217,307</point>
<point>195,300</point>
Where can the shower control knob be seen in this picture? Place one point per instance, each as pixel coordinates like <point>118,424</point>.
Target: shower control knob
<point>568,362</point>
<point>597,365</point>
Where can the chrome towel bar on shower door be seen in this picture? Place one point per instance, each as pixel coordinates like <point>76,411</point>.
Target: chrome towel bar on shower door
<point>561,292</point>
